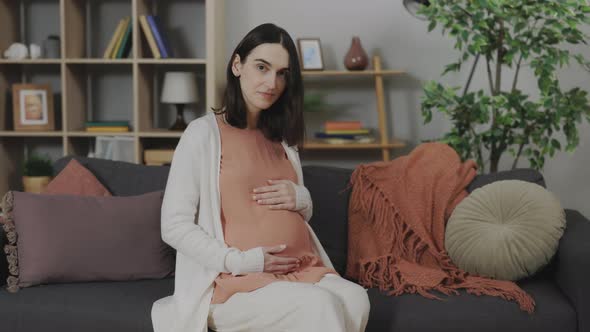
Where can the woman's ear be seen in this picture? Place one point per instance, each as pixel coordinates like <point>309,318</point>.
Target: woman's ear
<point>236,66</point>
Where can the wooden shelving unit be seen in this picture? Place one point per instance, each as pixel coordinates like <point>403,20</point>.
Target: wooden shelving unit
<point>384,142</point>
<point>85,80</point>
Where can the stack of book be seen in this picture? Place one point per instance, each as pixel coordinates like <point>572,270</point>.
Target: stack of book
<point>152,29</point>
<point>107,126</point>
<point>344,132</point>
<point>120,43</point>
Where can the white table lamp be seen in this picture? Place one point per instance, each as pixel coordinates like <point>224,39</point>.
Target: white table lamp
<point>179,88</point>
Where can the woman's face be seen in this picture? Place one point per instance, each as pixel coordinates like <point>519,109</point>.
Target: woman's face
<point>263,76</point>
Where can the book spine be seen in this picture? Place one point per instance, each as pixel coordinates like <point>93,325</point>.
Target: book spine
<point>113,42</point>
<point>120,38</point>
<point>343,125</point>
<point>349,132</point>
<point>343,136</point>
<point>125,43</point>
<point>107,129</point>
<point>158,36</point>
<point>150,38</point>
<point>107,123</point>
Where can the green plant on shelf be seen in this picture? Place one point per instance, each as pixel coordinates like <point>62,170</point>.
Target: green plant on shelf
<point>314,102</point>
<point>36,165</point>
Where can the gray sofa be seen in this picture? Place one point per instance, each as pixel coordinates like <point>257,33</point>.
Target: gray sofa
<point>561,290</point>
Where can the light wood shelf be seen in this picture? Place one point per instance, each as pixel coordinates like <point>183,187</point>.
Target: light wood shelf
<point>98,61</point>
<point>318,145</point>
<point>96,134</point>
<point>12,133</point>
<point>172,61</point>
<point>159,133</point>
<point>384,142</point>
<point>367,73</point>
<point>31,61</point>
<point>83,77</point>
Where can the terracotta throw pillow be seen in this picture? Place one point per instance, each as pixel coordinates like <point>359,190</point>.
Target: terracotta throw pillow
<point>72,238</point>
<point>75,179</point>
<point>506,230</point>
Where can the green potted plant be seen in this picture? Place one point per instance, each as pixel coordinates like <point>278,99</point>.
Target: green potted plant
<point>507,37</point>
<point>37,172</point>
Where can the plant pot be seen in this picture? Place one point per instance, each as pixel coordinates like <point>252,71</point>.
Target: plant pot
<point>35,184</point>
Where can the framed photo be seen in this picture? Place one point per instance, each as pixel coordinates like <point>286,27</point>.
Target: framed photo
<point>310,54</point>
<point>32,106</point>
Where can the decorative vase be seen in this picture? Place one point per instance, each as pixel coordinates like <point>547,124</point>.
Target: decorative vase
<point>35,184</point>
<point>356,58</point>
<point>51,48</point>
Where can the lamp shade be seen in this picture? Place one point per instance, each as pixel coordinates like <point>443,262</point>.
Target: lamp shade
<point>180,88</point>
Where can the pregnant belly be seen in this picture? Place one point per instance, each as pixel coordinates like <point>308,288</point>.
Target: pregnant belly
<point>265,228</point>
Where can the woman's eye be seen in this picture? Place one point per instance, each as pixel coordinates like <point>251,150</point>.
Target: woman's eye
<point>260,67</point>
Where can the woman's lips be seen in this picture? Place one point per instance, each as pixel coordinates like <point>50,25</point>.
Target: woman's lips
<point>266,95</point>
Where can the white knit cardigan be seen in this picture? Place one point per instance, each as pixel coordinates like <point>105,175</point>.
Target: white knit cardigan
<point>191,224</point>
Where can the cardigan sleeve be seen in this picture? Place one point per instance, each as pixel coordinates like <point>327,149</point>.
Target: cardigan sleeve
<point>179,207</point>
<point>303,202</point>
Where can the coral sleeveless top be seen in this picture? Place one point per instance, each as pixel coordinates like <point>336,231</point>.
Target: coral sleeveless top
<point>248,160</point>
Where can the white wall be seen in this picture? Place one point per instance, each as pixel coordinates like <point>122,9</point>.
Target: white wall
<point>385,28</point>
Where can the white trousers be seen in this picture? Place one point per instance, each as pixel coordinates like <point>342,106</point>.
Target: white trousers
<point>332,304</point>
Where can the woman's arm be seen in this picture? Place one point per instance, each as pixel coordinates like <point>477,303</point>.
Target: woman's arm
<point>179,207</point>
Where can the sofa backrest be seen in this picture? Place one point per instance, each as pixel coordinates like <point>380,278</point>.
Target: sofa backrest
<point>328,187</point>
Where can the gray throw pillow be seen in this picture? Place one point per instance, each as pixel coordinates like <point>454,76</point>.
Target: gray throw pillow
<point>71,238</point>
<point>505,230</point>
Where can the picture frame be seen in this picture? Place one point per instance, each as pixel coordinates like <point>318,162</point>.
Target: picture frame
<point>310,54</point>
<point>32,106</point>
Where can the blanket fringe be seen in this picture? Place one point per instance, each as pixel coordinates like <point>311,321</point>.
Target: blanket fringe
<point>397,237</point>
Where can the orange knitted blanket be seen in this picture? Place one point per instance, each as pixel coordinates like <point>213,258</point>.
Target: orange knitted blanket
<point>397,216</point>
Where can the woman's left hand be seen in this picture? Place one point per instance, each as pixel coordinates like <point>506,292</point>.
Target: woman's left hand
<point>278,195</point>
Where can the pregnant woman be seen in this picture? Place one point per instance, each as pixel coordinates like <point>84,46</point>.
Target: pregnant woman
<point>236,211</point>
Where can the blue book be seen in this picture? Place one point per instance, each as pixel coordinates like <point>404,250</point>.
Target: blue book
<point>343,136</point>
<point>158,36</point>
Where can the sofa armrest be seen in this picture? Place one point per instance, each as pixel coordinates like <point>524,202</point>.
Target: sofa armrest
<point>3,261</point>
<point>572,270</point>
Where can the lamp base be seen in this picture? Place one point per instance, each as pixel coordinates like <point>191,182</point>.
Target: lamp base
<point>180,124</point>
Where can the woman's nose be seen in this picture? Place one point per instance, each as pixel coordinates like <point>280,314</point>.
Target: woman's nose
<point>272,80</point>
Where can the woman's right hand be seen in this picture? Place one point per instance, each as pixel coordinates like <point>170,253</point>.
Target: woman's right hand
<point>278,264</point>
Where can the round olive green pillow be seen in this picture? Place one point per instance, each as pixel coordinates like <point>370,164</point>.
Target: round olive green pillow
<point>505,230</point>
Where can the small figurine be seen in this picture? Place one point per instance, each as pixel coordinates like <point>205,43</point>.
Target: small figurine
<point>35,51</point>
<point>16,51</point>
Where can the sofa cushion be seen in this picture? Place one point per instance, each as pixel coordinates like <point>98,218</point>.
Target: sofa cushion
<point>65,238</point>
<point>505,230</point>
<point>85,306</point>
<point>75,179</point>
<point>466,312</point>
<point>328,189</point>
<point>122,178</point>
<point>523,174</point>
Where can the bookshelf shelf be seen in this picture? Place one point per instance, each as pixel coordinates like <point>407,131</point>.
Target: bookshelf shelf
<point>159,134</point>
<point>92,134</point>
<point>98,61</point>
<point>31,62</point>
<point>93,88</point>
<point>10,133</point>
<point>174,61</point>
